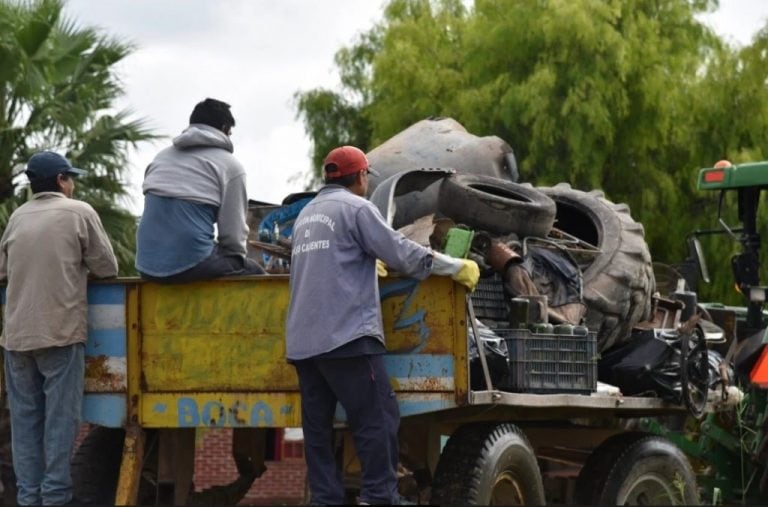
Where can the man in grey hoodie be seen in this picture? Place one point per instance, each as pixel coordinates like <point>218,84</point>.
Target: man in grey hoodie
<point>189,187</point>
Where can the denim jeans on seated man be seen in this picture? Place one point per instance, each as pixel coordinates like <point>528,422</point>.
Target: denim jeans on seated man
<point>216,265</point>
<point>45,394</point>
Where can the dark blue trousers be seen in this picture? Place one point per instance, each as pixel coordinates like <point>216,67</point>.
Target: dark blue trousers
<point>361,385</point>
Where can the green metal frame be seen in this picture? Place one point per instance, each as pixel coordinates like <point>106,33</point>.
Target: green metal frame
<point>736,176</point>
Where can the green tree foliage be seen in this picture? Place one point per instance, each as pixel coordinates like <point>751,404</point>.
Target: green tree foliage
<point>631,96</point>
<point>57,91</point>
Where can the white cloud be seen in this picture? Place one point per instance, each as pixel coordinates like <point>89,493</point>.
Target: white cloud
<point>255,54</point>
<point>738,20</point>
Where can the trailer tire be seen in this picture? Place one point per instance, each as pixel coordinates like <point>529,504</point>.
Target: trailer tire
<point>590,481</point>
<point>649,471</point>
<point>488,464</point>
<point>618,283</point>
<point>96,466</point>
<point>495,205</point>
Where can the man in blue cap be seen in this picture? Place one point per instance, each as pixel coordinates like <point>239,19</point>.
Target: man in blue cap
<point>52,243</point>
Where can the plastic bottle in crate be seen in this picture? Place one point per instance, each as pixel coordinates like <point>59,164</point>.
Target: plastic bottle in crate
<point>542,328</point>
<point>518,313</point>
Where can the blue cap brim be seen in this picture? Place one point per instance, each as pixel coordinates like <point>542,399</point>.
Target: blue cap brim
<point>76,171</point>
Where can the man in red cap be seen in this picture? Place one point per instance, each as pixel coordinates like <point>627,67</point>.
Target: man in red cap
<point>334,332</point>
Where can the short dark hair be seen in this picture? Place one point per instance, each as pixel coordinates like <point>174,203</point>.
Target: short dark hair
<point>345,181</point>
<point>47,184</point>
<point>213,113</point>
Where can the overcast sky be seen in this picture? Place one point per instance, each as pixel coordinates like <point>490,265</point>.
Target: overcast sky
<point>255,54</point>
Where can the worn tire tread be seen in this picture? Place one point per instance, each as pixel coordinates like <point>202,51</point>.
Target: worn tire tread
<point>96,466</point>
<point>628,459</point>
<point>465,456</point>
<point>591,479</point>
<point>619,284</point>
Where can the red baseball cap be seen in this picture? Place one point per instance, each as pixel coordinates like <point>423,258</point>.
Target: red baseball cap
<point>346,160</point>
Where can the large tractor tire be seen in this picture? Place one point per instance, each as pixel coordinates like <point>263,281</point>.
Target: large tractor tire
<point>638,471</point>
<point>488,464</point>
<point>496,205</point>
<point>618,283</point>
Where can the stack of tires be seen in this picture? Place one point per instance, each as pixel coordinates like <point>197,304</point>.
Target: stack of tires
<point>618,282</point>
<point>483,194</point>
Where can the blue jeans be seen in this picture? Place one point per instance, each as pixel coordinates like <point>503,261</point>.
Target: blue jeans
<point>45,395</point>
<point>361,385</point>
<point>218,264</point>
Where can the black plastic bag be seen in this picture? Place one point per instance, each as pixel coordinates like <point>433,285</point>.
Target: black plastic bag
<point>648,364</point>
<point>495,355</point>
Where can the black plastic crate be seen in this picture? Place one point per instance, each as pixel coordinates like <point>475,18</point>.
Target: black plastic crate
<point>550,363</point>
<point>489,301</point>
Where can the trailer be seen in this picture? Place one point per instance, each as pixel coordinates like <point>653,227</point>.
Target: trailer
<point>165,360</point>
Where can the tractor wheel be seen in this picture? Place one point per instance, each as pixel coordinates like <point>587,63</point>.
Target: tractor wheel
<point>641,471</point>
<point>488,464</point>
<point>495,205</point>
<point>617,283</point>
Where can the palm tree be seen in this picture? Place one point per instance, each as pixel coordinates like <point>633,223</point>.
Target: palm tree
<point>58,85</point>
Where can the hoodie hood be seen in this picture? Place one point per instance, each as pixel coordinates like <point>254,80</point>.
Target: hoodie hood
<point>201,135</point>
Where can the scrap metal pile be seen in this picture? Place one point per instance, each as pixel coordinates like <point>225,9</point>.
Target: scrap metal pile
<point>555,262</point>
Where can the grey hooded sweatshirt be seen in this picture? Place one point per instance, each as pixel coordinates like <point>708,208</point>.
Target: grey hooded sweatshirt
<point>199,170</point>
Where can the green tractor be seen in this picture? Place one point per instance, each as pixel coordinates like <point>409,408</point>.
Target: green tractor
<point>731,446</point>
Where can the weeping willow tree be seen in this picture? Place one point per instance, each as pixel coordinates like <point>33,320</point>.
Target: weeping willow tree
<point>630,96</point>
<point>58,87</point>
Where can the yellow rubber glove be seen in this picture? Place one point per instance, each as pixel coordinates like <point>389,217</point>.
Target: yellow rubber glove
<point>464,271</point>
<point>468,274</point>
<point>381,268</point>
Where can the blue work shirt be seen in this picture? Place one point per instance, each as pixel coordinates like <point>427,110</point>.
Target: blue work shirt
<point>173,235</point>
<point>337,238</point>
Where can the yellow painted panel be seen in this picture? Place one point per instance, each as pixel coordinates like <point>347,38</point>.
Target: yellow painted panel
<point>218,307</point>
<point>423,314</point>
<point>229,335</point>
<point>195,362</point>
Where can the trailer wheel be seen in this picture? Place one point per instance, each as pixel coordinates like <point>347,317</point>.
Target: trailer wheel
<point>618,283</point>
<point>590,482</point>
<point>96,466</point>
<point>488,464</point>
<point>649,471</point>
<point>496,205</point>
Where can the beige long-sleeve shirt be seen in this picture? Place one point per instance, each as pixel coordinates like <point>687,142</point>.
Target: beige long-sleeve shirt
<point>50,245</point>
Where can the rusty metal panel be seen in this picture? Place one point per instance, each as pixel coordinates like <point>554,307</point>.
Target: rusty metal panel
<point>419,317</point>
<point>105,350</point>
<point>224,335</point>
<point>228,336</point>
